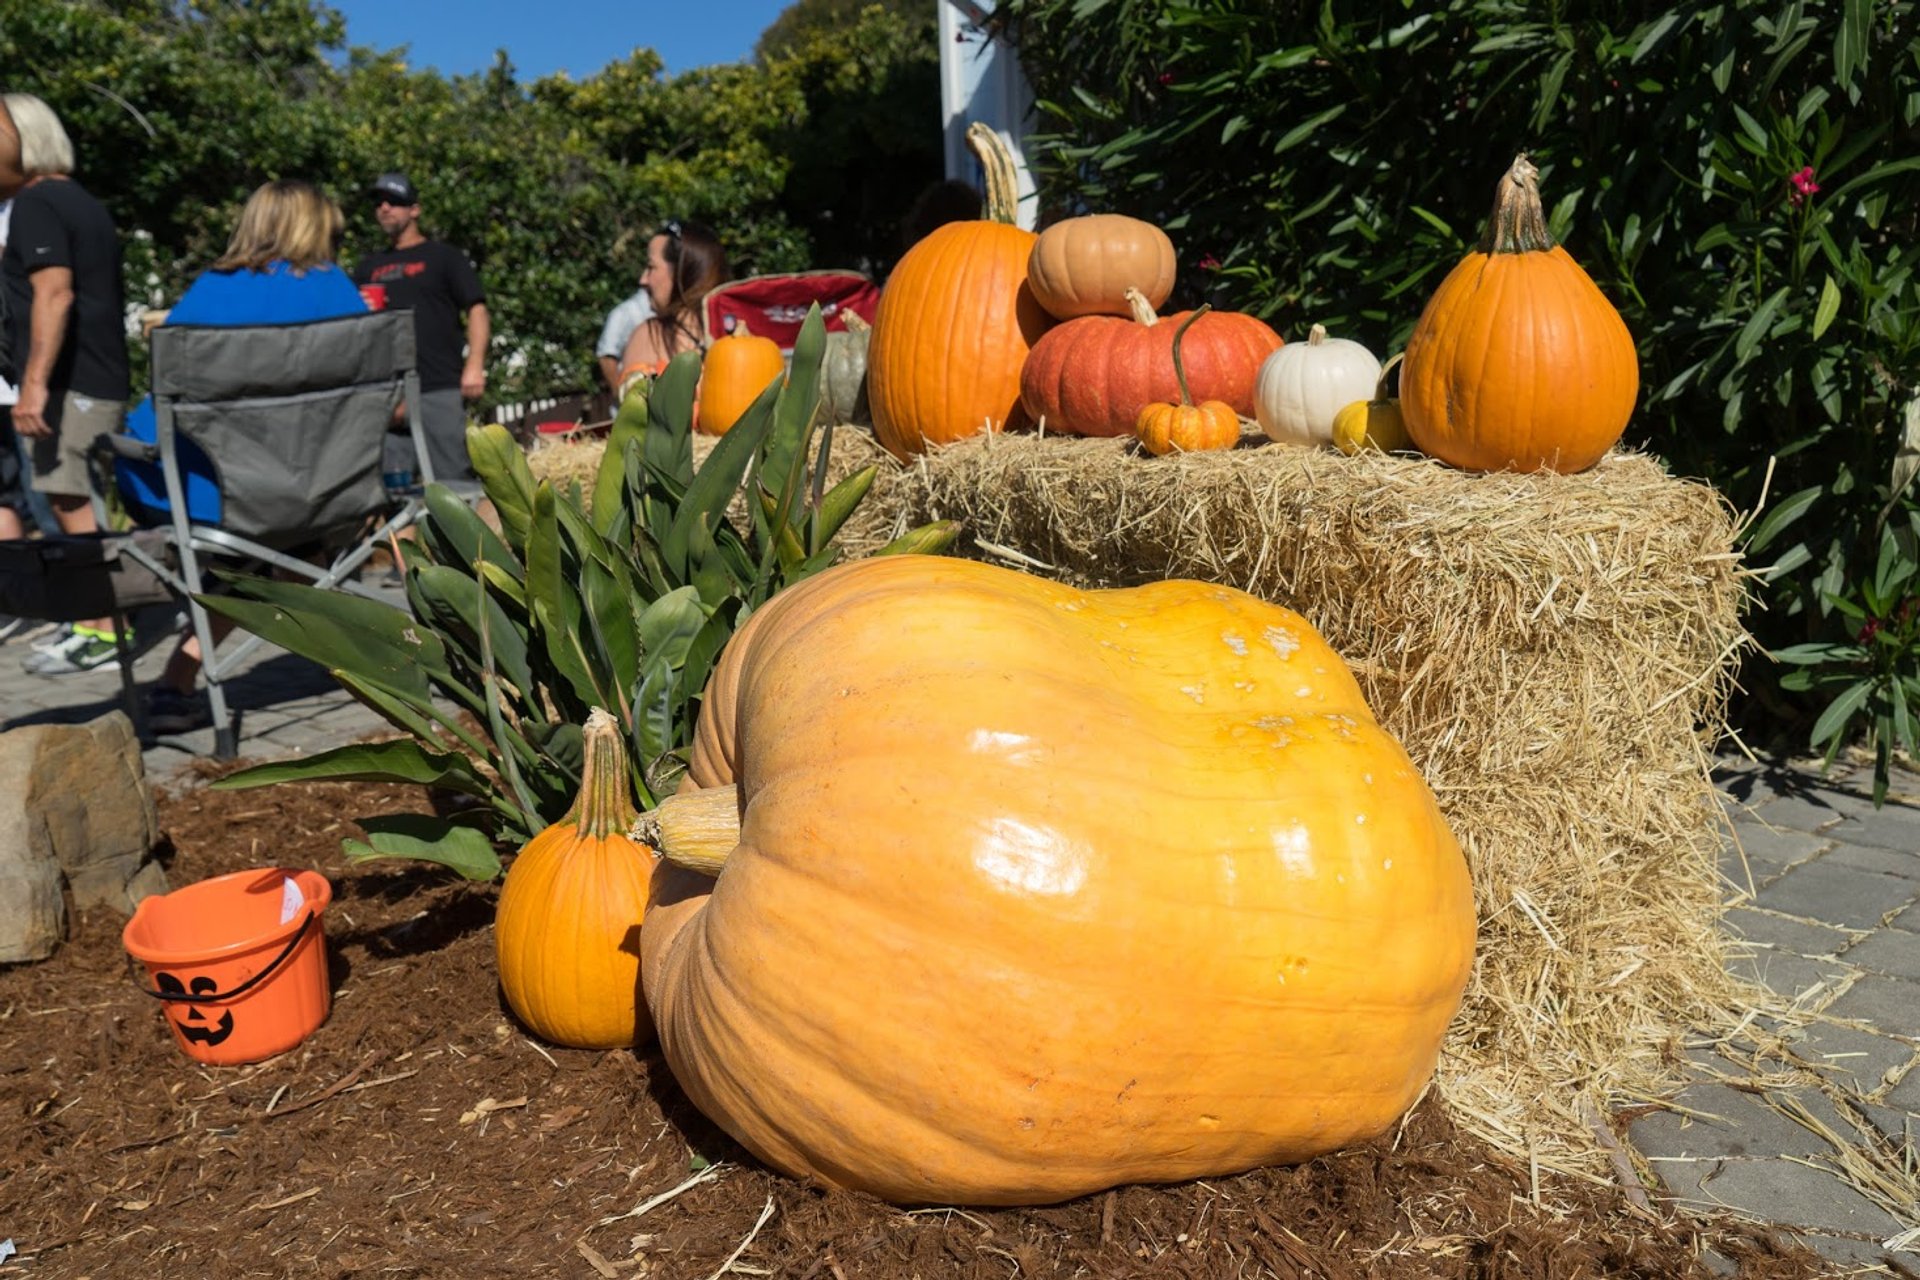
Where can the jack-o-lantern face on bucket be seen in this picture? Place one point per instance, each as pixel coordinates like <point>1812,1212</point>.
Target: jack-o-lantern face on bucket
<point>195,1026</point>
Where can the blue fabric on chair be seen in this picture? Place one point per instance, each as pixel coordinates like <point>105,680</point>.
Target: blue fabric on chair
<point>278,295</point>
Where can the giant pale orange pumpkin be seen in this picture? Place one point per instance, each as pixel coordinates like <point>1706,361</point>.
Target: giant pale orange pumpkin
<point>1093,376</point>
<point>1519,361</point>
<point>569,914</point>
<point>1084,266</point>
<point>733,373</point>
<point>955,323</point>
<point>1032,891</point>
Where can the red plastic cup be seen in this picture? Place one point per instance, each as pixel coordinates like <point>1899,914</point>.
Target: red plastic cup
<point>375,296</point>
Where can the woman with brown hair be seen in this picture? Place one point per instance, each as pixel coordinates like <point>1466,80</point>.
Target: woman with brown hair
<point>684,264</point>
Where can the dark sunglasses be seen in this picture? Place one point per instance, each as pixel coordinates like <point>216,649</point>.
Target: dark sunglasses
<point>385,200</point>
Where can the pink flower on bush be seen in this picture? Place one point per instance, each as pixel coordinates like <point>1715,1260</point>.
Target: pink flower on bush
<point>1166,78</point>
<point>1803,186</point>
<point>1208,263</point>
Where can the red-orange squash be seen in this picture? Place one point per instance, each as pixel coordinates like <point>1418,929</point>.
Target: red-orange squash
<point>733,373</point>
<point>1519,361</point>
<point>955,323</point>
<point>958,954</point>
<point>1084,266</point>
<point>1093,376</point>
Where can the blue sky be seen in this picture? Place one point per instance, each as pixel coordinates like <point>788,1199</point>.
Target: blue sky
<point>544,36</point>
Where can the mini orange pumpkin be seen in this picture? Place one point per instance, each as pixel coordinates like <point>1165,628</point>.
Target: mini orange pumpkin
<point>733,373</point>
<point>1519,361</point>
<point>564,930</point>
<point>1187,427</point>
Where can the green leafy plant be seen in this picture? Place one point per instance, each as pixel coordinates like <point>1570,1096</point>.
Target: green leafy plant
<point>1874,678</point>
<point>512,637</point>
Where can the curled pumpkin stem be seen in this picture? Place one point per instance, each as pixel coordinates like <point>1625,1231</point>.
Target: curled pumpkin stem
<point>1386,372</point>
<point>1003,180</point>
<point>1179,366</point>
<point>604,806</point>
<point>1518,224</point>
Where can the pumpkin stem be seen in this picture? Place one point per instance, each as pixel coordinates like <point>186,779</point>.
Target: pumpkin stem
<point>1518,224</point>
<point>604,806</point>
<point>1179,368</point>
<point>1386,370</point>
<point>693,829</point>
<point>1143,312</point>
<point>1316,335</point>
<point>1003,180</point>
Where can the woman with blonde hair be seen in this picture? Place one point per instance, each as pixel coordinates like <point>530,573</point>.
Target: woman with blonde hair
<point>278,269</point>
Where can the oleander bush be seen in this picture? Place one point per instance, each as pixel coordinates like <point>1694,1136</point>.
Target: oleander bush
<point>1742,179</point>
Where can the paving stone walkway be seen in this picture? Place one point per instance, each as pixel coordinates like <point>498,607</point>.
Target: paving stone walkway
<point>1808,1122</point>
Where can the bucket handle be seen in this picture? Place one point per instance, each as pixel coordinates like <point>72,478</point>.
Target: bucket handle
<point>215,997</point>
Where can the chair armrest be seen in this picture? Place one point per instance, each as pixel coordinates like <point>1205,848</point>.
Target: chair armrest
<point>127,447</point>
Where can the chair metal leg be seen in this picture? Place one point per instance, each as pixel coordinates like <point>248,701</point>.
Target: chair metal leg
<point>129,697</point>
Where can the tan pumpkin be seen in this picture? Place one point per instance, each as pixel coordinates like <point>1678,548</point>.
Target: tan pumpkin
<point>1084,266</point>
<point>564,930</point>
<point>963,952</point>
<point>955,323</point>
<point>1519,361</point>
<point>733,373</point>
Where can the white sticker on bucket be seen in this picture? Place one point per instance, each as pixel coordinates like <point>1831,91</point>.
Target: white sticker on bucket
<point>291,899</point>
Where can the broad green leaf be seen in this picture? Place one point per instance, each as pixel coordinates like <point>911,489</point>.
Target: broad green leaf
<point>1829,307</point>
<point>452,601</point>
<point>610,481</point>
<point>1784,513</point>
<point>668,626</point>
<point>398,760</point>
<point>428,839</point>
<point>502,467</point>
<point>455,524</point>
<point>1833,722</point>
<point>1756,328</point>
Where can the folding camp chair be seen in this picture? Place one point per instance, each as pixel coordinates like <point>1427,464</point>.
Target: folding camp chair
<point>775,306</point>
<point>292,419</point>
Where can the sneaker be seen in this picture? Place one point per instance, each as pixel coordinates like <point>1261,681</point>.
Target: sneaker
<point>84,650</point>
<point>171,711</point>
<point>57,635</point>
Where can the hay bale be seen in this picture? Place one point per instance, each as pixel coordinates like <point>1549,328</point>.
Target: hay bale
<point>1553,651</point>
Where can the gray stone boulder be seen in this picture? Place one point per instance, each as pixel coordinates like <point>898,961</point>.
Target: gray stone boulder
<point>75,811</point>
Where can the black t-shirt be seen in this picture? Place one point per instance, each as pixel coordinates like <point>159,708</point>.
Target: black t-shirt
<point>437,282</point>
<point>56,223</point>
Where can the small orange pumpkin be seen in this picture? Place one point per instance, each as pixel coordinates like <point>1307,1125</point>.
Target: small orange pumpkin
<point>1519,361</point>
<point>1187,427</point>
<point>565,929</point>
<point>733,373</point>
<point>1084,266</point>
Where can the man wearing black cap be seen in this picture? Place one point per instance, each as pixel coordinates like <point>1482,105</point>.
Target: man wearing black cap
<point>437,283</point>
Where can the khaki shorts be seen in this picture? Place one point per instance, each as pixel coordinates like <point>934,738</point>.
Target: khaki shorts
<point>60,460</point>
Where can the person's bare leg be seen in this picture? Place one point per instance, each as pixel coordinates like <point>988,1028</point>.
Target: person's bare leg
<point>183,664</point>
<point>10,524</point>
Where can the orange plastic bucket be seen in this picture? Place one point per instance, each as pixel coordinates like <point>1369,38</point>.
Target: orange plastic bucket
<point>239,962</point>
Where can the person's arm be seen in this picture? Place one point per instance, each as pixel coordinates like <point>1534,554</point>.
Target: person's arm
<point>610,372</point>
<point>473,378</point>
<point>644,349</point>
<point>47,325</point>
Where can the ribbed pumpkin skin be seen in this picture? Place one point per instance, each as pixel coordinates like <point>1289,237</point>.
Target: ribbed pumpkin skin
<point>733,373</point>
<point>1519,361</point>
<point>1084,266</point>
<point>1093,376</point>
<point>955,323</point>
<point>566,928</point>
<point>565,936</point>
<point>960,955</point>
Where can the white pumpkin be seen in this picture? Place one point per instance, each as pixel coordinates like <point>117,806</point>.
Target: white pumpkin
<point>1304,384</point>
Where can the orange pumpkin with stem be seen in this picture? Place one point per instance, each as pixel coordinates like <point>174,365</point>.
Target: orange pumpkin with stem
<point>733,373</point>
<point>1519,361</point>
<point>953,954</point>
<point>571,905</point>
<point>1187,427</point>
<point>955,323</point>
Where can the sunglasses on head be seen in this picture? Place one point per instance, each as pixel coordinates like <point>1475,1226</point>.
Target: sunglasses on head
<point>671,228</point>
